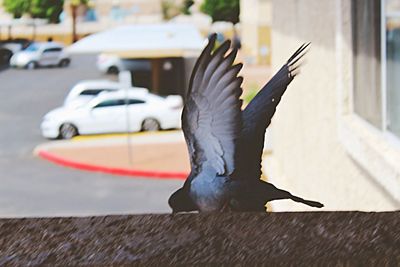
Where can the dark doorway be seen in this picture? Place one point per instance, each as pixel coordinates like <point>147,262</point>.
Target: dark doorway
<point>166,77</point>
<point>172,76</point>
<point>142,78</point>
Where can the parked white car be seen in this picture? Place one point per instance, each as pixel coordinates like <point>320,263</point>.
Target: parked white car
<point>86,90</point>
<point>113,64</point>
<point>41,54</point>
<point>114,112</point>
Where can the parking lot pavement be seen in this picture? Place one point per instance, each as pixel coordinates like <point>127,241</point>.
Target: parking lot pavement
<point>33,187</point>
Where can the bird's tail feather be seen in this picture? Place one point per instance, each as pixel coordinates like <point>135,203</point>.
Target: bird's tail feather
<point>311,203</point>
<point>270,192</point>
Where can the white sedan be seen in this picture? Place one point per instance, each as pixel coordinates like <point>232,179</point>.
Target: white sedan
<point>112,64</point>
<point>85,91</point>
<point>41,54</point>
<point>114,112</point>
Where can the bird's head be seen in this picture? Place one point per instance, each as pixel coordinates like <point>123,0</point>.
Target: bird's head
<point>180,201</point>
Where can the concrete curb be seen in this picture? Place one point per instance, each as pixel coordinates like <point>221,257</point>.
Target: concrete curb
<point>111,170</point>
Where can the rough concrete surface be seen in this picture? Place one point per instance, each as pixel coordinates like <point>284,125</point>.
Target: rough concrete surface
<point>216,239</point>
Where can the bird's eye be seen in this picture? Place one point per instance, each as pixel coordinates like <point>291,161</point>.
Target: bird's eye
<point>273,99</point>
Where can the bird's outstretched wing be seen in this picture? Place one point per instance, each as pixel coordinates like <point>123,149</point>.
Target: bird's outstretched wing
<point>258,114</point>
<point>211,118</point>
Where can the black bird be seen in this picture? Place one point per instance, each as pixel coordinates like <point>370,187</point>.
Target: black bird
<point>225,143</point>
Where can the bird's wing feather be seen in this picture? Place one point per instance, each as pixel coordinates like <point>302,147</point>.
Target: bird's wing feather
<point>258,114</point>
<point>211,119</point>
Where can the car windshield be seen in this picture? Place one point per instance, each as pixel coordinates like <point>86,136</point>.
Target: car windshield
<point>32,47</point>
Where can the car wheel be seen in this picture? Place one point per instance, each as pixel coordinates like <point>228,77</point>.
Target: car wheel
<point>113,70</point>
<point>150,125</point>
<point>31,65</point>
<point>64,63</point>
<point>68,130</point>
<point>5,56</point>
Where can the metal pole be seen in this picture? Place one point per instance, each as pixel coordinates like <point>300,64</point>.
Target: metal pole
<point>73,13</point>
<point>128,127</point>
<point>9,32</point>
<point>34,31</point>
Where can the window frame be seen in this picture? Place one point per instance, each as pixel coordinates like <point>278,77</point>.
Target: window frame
<point>383,125</point>
<point>357,107</point>
<point>375,149</point>
<point>395,139</point>
<point>383,67</point>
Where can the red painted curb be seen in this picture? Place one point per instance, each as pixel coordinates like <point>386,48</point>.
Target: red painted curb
<point>115,171</point>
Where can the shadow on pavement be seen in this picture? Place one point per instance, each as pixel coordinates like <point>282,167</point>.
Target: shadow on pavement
<point>3,67</point>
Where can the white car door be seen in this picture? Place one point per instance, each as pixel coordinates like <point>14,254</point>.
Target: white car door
<point>137,113</point>
<point>109,116</point>
<point>50,56</point>
<point>55,55</point>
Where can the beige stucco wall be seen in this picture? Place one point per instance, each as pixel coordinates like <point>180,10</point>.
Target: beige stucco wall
<point>309,156</point>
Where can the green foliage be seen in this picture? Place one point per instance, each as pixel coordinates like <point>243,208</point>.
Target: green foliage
<point>79,2</point>
<point>186,6</point>
<point>250,93</point>
<point>222,10</point>
<point>46,9</point>
<point>16,7</point>
<point>169,9</point>
<point>172,8</point>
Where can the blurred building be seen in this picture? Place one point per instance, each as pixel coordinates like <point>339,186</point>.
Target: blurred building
<point>336,133</point>
<point>255,21</point>
<point>117,10</point>
<point>161,56</point>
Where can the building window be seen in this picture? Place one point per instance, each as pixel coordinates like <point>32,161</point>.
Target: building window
<point>392,47</point>
<point>367,94</point>
<point>376,69</point>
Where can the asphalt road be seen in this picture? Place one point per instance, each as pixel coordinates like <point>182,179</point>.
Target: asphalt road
<point>30,186</point>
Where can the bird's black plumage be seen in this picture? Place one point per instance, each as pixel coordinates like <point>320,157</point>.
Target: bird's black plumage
<point>225,143</point>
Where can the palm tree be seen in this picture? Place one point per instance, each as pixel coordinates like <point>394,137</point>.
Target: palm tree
<point>74,4</point>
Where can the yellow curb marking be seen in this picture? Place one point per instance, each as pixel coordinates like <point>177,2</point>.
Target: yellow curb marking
<point>102,136</point>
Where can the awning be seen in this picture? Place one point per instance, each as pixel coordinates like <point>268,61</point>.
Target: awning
<point>144,41</point>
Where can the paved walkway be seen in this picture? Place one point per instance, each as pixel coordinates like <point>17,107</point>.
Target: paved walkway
<point>161,154</point>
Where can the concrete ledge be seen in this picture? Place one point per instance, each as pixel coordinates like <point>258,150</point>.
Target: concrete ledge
<point>246,239</point>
